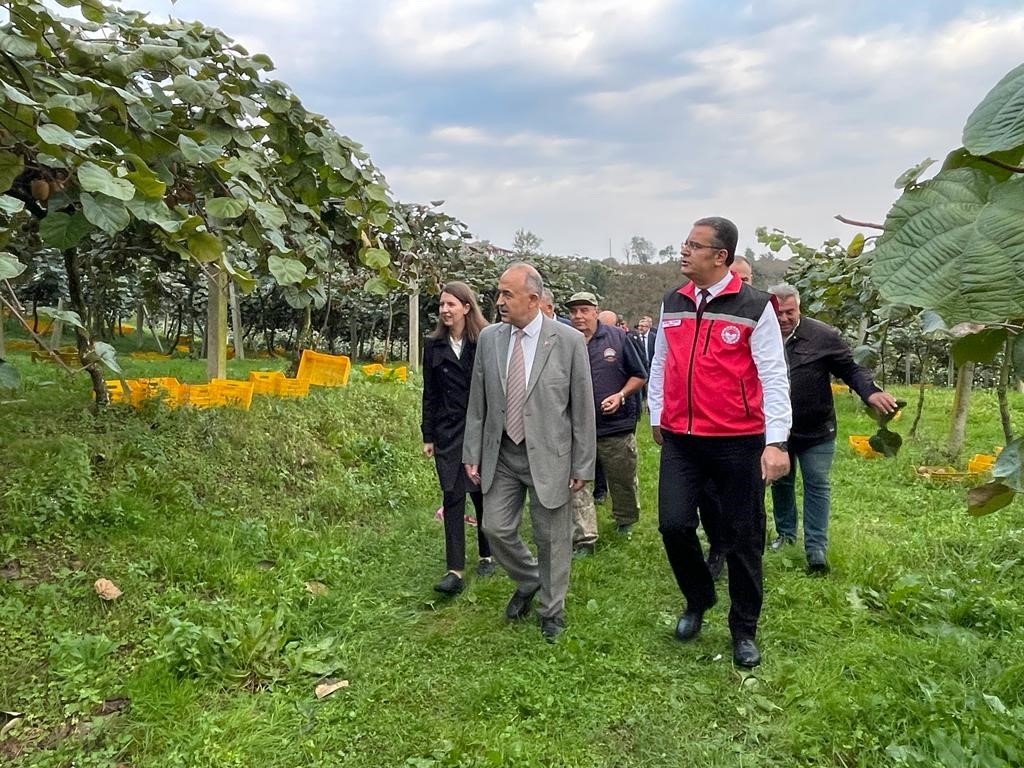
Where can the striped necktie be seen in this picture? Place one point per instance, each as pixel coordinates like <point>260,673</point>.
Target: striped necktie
<point>515,392</point>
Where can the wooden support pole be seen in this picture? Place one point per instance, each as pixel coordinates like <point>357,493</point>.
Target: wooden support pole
<point>216,323</point>
<point>414,331</point>
<point>237,331</point>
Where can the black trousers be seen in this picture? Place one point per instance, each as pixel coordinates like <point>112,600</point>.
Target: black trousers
<point>455,528</point>
<point>733,464</point>
<point>709,507</point>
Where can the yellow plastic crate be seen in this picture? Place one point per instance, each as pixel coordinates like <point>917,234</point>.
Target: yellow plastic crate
<point>229,392</point>
<point>116,390</point>
<point>166,387</point>
<point>149,356</point>
<point>944,474</point>
<point>198,395</point>
<point>373,369</point>
<point>291,387</point>
<point>19,344</point>
<point>324,370</point>
<point>862,447</point>
<point>839,389</point>
<point>401,373</point>
<point>981,462</point>
<point>265,382</point>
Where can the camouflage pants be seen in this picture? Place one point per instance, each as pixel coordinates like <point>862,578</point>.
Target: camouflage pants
<point>619,458</point>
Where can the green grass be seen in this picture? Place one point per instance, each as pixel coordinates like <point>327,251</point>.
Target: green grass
<point>212,522</point>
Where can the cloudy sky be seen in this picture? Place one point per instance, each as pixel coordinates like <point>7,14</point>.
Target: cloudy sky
<point>590,121</point>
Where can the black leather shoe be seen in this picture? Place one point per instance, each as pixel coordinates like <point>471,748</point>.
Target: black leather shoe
<point>688,626</point>
<point>485,567</point>
<point>451,584</point>
<point>551,627</point>
<point>716,563</point>
<point>782,541</point>
<point>583,550</point>
<point>745,653</point>
<point>817,568</point>
<point>519,605</point>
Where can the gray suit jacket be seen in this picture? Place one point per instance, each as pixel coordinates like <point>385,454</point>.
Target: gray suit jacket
<point>561,437</point>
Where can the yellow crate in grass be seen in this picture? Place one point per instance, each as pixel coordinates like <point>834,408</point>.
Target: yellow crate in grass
<point>838,389</point>
<point>265,382</point>
<point>944,474</point>
<point>291,387</point>
<point>236,394</point>
<point>373,369</point>
<point>862,447</point>
<point>401,373</point>
<point>18,344</point>
<point>116,390</point>
<point>981,462</point>
<point>166,387</point>
<point>198,395</point>
<point>324,370</point>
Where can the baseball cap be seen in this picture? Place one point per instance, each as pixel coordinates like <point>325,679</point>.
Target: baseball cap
<point>583,297</point>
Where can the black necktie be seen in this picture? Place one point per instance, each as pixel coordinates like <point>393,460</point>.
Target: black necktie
<point>703,302</point>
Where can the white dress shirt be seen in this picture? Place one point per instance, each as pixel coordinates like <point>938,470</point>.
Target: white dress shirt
<point>531,333</point>
<point>766,347</point>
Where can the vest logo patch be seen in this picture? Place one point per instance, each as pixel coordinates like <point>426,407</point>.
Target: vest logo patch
<point>730,334</point>
<point>671,322</point>
<point>609,355</point>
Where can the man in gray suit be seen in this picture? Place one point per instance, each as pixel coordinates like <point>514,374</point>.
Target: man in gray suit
<point>530,426</point>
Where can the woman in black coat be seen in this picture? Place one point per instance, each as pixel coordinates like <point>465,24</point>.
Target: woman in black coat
<point>448,355</point>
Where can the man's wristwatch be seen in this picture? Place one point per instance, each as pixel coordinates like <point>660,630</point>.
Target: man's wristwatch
<point>782,445</point>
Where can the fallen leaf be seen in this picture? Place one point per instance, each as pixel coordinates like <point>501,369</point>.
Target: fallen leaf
<point>106,589</point>
<point>10,724</point>
<point>316,588</point>
<point>328,687</point>
<point>265,565</point>
<point>11,571</point>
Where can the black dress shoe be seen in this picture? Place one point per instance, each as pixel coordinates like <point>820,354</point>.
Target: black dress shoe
<point>716,563</point>
<point>688,626</point>
<point>551,627</point>
<point>745,653</point>
<point>782,541</point>
<point>485,567</point>
<point>451,584</point>
<point>519,605</point>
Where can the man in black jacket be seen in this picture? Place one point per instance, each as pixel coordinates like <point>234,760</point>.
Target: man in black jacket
<point>814,351</point>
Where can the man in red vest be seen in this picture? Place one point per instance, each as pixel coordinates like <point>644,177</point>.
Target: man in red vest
<point>719,401</point>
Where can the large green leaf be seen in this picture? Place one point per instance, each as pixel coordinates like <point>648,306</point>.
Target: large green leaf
<point>64,315</point>
<point>10,378</point>
<point>226,207</point>
<point>94,178</point>
<point>11,205</point>
<point>270,215</point>
<point>375,258</point>
<point>205,247</point>
<point>987,498</point>
<point>16,45</point>
<point>11,166</point>
<point>1007,467</point>
<point>979,347</point>
<point>997,123</point>
<point>1017,355</point>
<point>961,158</point>
<point>955,245</point>
<point>54,134</point>
<point>198,153</point>
<point>106,213</point>
<point>62,230</point>
<point>286,271</point>
<point>147,183</point>
<point>9,266</point>
<point>106,354</point>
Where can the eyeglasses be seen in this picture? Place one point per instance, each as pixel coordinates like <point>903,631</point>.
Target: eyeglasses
<point>692,246</point>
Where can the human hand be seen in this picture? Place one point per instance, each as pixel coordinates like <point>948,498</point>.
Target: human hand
<point>576,485</point>
<point>883,402</point>
<point>428,449</point>
<point>656,434</point>
<point>774,464</point>
<point>473,473</point>
<point>611,404</point>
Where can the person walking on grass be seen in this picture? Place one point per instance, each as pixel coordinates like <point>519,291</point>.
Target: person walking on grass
<point>448,356</point>
<point>719,402</point>
<point>618,375</point>
<point>815,352</point>
<point>530,428</point>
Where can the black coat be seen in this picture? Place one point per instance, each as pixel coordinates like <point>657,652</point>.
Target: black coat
<point>646,353</point>
<point>446,380</point>
<point>814,353</point>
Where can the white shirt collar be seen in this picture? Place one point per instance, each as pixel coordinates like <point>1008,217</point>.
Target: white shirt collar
<point>532,328</point>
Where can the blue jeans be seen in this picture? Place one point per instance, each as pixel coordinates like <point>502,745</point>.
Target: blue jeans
<point>815,464</point>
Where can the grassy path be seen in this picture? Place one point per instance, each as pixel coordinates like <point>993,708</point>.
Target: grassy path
<point>216,524</point>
